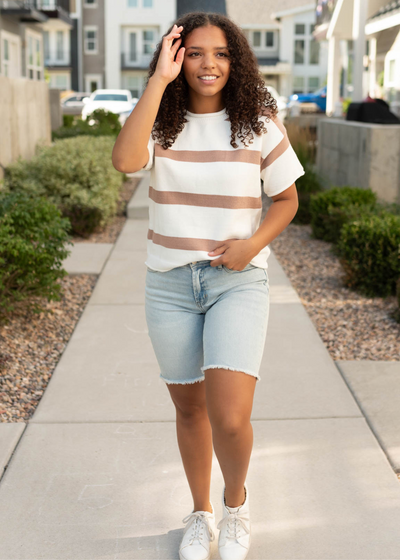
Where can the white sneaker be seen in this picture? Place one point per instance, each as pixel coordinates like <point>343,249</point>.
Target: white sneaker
<point>198,533</point>
<point>234,536</point>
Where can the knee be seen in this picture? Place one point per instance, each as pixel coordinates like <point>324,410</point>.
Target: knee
<point>190,413</point>
<point>230,425</point>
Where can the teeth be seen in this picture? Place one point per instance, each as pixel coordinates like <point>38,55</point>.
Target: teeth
<point>208,77</point>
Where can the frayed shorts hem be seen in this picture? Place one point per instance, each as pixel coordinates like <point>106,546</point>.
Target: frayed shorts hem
<point>199,379</point>
<point>232,369</point>
<point>182,381</point>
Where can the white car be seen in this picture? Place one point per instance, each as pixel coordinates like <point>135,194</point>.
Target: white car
<point>117,101</point>
<point>281,102</point>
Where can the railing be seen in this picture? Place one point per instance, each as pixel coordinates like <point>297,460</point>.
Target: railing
<point>135,60</point>
<point>35,4</point>
<point>57,58</point>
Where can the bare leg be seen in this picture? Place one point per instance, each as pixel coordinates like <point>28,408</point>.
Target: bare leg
<point>229,397</point>
<point>194,439</point>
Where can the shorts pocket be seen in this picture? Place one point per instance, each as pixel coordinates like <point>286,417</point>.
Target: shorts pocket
<point>150,269</point>
<point>231,270</point>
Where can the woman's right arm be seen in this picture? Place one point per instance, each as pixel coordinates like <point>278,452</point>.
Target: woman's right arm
<point>130,150</point>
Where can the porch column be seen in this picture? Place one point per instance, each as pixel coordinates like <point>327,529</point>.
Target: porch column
<point>360,10</point>
<point>333,82</point>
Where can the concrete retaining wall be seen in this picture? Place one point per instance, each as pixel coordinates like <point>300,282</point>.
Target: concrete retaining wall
<point>24,118</point>
<point>360,155</point>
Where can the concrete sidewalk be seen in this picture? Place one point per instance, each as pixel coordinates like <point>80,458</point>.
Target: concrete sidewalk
<point>97,472</point>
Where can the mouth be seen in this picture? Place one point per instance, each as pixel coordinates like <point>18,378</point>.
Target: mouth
<point>208,78</point>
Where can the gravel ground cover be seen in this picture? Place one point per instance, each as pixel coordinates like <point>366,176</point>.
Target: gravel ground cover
<point>31,346</point>
<point>111,232</point>
<point>352,326</point>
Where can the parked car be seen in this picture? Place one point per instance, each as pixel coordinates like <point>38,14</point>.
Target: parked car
<point>281,102</point>
<point>125,115</point>
<point>117,101</point>
<point>72,104</point>
<point>318,97</point>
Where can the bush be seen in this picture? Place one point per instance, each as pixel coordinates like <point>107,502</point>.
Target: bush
<point>75,174</point>
<point>369,251</point>
<point>333,208</point>
<point>102,123</point>
<point>303,142</point>
<point>33,238</point>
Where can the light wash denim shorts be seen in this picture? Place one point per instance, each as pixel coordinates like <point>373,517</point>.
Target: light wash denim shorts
<point>201,316</point>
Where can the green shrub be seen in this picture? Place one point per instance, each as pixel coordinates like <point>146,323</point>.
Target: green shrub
<point>68,120</point>
<point>334,207</point>
<point>369,251</point>
<point>33,238</point>
<point>102,123</point>
<point>77,175</point>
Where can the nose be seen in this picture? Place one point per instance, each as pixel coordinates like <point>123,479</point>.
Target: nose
<point>208,61</point>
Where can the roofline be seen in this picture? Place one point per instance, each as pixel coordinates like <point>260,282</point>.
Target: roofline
<point>381,23</point>
<point>293,11</point>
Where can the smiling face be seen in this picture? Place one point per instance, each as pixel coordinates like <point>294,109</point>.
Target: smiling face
<point>206,65</point>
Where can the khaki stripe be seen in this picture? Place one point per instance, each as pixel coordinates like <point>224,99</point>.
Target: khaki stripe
<point>208,156</point>
<point>275,153</point>
<point>280,148</point>
<point>184,243</point>
<point>207,200</point>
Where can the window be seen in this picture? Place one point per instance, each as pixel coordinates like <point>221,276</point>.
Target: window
<point>148,38</point>
<point>46,45</point>
<point>90,40</point>
<point>132,3</point>
<point>6,57</point>
<point>132,47</point>
<point>256,38</point>
<point>269,39</point>
<point>147,3</point>
<point>313,84</point>
<point>60,45</point>
<point>300,29</point>
<point>298,84</point>
<point>60,81</point>
<point>314,51</point>
<point>133,84</point>
<point>34,56</point>
<point>299,47</point>
<point>90,3</point>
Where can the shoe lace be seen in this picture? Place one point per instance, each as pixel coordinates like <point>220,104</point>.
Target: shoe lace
<point>234,523</point>
<point>197,521</point>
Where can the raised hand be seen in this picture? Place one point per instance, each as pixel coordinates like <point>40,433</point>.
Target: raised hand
<point>167,68</point>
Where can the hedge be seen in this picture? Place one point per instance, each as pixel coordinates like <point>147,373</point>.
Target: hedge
<point>99,123</point>
<point>331,209</point>
<point>33,245</point>
<point>76,175</point>
<point>369,251</point>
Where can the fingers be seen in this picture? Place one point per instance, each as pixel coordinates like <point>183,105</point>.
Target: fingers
<point>175,32</point>
<point>175,46</point>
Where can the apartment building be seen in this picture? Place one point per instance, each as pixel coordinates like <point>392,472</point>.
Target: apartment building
<point>21,40</point>
<point>57,42</point>
<point>281,35</point>
<point>132,29</point>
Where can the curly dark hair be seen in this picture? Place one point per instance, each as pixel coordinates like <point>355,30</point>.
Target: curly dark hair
<point>245,95</point>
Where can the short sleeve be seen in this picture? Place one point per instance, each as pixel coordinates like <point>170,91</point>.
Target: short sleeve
<point>280,166</point>
<point>150,149</point>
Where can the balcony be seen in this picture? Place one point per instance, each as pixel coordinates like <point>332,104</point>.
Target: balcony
<point>135,61</point>
<point>57,59</point>
<point>37,10</point>
<point>25,11</point>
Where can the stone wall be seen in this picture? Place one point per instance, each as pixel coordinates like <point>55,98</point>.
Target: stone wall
<point>360,155</point>
<point>24,118</point>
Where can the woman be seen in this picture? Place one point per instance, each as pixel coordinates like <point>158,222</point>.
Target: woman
<point>207,128</point>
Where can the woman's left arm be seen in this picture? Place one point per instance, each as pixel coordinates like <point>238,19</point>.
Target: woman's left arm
<point>237,253</point>
<point>278,217</point>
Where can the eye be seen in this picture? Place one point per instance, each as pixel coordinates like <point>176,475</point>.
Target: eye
<point>223,54</point>
<point>191,54</point>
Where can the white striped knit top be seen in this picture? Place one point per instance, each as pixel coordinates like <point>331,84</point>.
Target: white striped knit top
<point>203,191</point>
